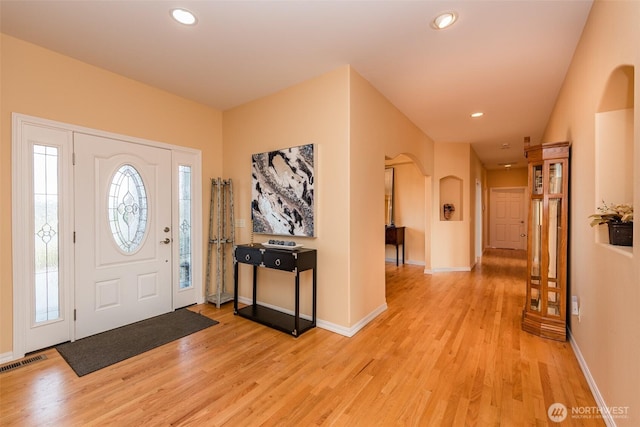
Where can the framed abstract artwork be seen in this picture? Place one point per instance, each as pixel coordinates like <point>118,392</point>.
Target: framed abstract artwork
<point>282,192</point>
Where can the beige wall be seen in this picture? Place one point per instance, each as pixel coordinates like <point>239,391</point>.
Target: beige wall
<point>41,83</point>
<point>452,241</point>
<point>606,280</point>
<point>507,178</point>
<point>316,112</point>
<point>377,130</point>
<point>353,128</point>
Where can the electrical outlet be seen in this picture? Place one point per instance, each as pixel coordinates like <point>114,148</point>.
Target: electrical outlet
<point>240,223</point>
<point>575,307</point>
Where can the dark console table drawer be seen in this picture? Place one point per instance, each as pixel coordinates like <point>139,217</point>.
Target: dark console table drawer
<point>248,255</point>
<point>280,260</point>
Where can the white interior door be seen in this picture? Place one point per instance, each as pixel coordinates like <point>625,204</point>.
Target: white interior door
<point>508,218</point>
<point>123,233</point>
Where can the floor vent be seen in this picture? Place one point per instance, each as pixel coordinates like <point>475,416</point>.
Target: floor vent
<point>24,362</point>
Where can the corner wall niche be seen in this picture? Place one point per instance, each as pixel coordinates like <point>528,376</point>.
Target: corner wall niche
<point>614,143</point>
<point>450,205</point>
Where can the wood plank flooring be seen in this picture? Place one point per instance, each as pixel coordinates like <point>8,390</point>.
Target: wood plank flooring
<point>448,351</point>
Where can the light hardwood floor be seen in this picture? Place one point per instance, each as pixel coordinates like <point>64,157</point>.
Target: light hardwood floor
<point>448,351</point>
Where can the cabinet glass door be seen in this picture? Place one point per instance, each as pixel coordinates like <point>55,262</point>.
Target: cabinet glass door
<point>537,179</point>
<point>555,231</point>
<point>536,253</point>
<point>555,178</point>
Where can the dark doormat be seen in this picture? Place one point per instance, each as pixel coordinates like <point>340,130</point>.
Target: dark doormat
<point>92,353</point>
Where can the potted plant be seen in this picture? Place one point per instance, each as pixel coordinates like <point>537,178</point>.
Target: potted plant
<point>619,219</point>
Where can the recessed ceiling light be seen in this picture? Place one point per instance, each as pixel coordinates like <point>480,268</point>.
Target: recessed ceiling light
<point>183,16</point>
<point>477,114</point>
<point>444,20</point>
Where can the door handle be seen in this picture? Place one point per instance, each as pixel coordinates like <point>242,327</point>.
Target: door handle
<point>523,235</point>
<point>165,241</point>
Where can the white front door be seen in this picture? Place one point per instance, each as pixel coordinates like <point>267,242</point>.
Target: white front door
<point>508,218</point>
<point>123,233</point>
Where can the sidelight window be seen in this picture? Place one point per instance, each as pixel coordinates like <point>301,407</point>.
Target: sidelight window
<point>46,242</point>
<point>184,200</point>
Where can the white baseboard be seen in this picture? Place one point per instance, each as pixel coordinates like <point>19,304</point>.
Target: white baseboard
<point>323,324</point>
<point>409,262</point>
<point>447,270</point>
<point>349,332</point>
<point>608,420</point>
<point>6,357</point>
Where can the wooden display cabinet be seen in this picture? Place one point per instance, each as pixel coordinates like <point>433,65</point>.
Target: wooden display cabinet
<point>545,308</point>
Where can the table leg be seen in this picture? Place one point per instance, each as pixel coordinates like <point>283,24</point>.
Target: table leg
<point>255,286</point>
<point>296,331</point>
<point>314,297</point>
<point>235,288</point>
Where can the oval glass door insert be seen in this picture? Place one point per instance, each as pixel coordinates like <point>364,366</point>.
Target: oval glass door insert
<point>127,208</point>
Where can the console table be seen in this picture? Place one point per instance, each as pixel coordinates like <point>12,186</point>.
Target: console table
<point>294,261</point>
<point>395,236</point>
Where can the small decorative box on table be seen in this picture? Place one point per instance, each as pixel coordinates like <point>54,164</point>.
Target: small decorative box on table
<point>295,261</point>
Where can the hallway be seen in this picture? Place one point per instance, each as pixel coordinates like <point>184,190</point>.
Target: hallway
<point>448,351</point>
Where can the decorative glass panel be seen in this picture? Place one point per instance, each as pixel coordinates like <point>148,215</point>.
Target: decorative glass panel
<point>537,179</point>
<point>553,304</point>
<point>555,178</point>
<point>536,237</point>
<point>46,242</point>
<point>184,200</point>
<point>555,231</point>
<point>127,208</point>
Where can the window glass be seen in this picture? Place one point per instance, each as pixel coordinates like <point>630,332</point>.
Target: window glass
<point>46,242</point>
<point>127,208</point>
<point>184,200</point>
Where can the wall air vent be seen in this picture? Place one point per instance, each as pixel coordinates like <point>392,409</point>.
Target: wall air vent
<point>24,362</point>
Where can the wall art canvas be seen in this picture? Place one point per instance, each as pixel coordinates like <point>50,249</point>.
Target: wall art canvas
<point>282,195</point>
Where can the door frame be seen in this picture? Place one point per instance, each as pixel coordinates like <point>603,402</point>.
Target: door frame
<point>21,221</point>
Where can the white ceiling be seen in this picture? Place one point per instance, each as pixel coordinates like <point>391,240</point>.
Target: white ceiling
<point>505,58</point>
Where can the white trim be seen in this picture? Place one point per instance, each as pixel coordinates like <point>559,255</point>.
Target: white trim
<point>448,269</point>
<point>6,357</point>
<point>323,324</point>
<point>20,222</point>
<point>18,228</point>
<point>609,421</point>
<point>349,332</point>
<point>408,262</point>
